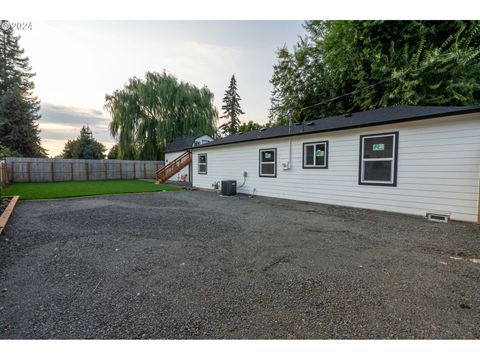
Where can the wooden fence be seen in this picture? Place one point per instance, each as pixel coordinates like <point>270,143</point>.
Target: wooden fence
<point>47,170</point>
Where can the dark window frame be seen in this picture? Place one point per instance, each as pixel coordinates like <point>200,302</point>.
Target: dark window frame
<point>394,160</point>
<point>205,163</point>
<point>326,155</point>
<point>260,163</point>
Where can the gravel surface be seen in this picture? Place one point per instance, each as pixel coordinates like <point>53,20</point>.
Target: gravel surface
<point>198,265</point>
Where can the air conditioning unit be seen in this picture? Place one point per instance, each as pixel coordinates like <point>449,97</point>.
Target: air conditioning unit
<point>229,187</point>
<point>286,165</point>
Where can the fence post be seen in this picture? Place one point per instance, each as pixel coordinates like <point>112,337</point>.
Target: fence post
<point>3,174</point>
<point>29,171</point>
<point>71,170</point>
<point>121,175</point>
<point>144,170</point>
<point>12,165</point>
<point>52,171</point>
<point>105,169</point>
<point>86,168</point>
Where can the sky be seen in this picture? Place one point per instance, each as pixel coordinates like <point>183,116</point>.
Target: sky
<point>78,62</point>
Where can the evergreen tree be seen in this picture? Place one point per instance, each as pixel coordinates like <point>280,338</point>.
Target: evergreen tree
<point>113,152</point>
<point>6,152</point>
<point>84,147</point>
<point>249,126</point>
<point>252,126</point>
<point>231,109</point>
<point>19,109</point>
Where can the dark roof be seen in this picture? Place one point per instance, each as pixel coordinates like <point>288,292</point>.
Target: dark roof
<point>386,115</point>
<point>181,144</point>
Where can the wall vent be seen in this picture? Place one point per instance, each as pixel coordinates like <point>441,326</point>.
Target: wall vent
<point>438,217</point>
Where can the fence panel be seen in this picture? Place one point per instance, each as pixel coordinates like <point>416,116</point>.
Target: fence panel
<point>47,170</point>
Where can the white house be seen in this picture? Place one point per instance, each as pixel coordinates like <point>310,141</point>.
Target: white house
<point>417,160</point>
<point>177,148</point>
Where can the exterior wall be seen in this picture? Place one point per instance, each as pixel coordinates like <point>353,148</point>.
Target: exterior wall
<point>438,169</point>
<point>169,157</point>
<point>203,138</point>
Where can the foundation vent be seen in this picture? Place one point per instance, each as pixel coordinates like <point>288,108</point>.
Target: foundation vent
<point>438,217</point>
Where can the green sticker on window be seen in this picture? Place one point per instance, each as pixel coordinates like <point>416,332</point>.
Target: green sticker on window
<point>268,155</point>
<point>378,147</point>
<point>320,153</point>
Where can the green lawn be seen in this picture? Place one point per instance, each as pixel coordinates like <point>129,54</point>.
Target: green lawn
<point>59,190</point>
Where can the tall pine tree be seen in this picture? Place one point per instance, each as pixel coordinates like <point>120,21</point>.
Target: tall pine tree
<point>231,109</point>
<point>18,107</point>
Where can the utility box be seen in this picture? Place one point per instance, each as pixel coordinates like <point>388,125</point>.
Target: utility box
<point>229,187</point>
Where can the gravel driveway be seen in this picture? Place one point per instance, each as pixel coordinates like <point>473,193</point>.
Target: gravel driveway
<point>198,265</point>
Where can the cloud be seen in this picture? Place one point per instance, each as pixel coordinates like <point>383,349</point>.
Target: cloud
<point>71,115</point>
<point>61,123</point>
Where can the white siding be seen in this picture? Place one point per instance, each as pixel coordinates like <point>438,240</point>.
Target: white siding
<point>203,139</point>
<point>169,157</point>
<point>438,169</point>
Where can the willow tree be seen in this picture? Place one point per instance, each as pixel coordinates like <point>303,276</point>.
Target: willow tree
<point>149,113</point>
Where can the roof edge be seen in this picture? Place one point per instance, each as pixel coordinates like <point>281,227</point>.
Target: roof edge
<point>415,118</point>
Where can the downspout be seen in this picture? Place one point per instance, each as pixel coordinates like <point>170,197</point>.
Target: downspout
<point>290,141</point>
<point>478,205</point>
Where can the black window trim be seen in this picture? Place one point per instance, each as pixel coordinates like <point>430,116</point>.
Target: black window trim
<point>326,155</point>
<point>260,163</point>
<point>395,160</point>
<point>206,162</point>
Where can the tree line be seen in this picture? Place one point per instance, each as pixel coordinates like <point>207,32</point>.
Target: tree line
<point>336,67</point>
<point>347,66</point>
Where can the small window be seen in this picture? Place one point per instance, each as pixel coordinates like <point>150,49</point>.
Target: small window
<point>268,163</point>
<point>378,159</point>
<point>202,163</point>
<point>315,155</point>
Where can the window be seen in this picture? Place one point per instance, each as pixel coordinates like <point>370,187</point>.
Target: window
<point>202,163</point>
<point>315,155</point>
<point>378,159</point>
<point>268,162</point>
